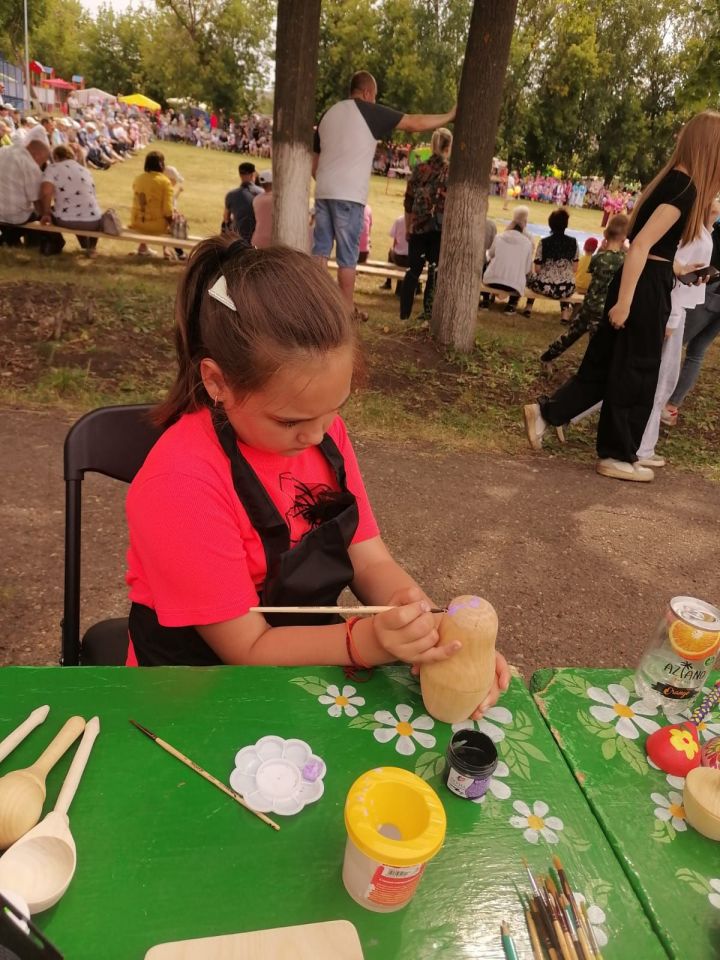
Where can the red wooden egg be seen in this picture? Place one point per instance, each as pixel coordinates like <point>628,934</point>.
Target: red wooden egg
<point>675,749</point>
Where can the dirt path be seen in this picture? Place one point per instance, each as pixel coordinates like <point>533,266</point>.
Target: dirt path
<point>577,567</point>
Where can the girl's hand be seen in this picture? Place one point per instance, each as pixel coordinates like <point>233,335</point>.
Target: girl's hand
<point>409,632</point>
<point>680,269</point>
<point>618,315</point>
<point>500,685</point>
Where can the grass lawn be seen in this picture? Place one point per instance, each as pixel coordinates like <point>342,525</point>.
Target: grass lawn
<point>78,333</point>
<point>209,174</point>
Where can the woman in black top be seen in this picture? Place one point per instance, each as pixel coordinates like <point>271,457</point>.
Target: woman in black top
<point>620,366</point>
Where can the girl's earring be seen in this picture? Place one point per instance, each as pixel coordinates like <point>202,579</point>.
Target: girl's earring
<point>215,401</point>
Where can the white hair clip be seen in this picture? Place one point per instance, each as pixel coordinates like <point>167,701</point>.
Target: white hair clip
<point>219,291</point>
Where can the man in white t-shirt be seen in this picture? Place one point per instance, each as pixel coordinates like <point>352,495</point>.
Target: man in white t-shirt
<point>345,143</point>
<point>20,180</point>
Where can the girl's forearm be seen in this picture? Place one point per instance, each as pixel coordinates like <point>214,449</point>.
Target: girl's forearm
<point>295,645</point>
<point>632,268</point>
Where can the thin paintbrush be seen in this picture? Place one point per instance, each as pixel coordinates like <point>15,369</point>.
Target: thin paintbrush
<point>568,891</point>
<point>591,932</point>
<point>534,938</point>
<point>550,937</point>
<point>565,923</point>
<point>203,773</point>
<point>343,611</point>
<point>580,941</point>
<point>564,941</point>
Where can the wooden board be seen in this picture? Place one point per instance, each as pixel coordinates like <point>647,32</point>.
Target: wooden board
<point>334,940</point>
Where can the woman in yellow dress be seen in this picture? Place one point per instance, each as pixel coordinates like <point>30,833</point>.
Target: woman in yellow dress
<point>152,206</point>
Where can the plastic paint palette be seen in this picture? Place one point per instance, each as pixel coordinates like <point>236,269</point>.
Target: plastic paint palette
<point>278,776</point>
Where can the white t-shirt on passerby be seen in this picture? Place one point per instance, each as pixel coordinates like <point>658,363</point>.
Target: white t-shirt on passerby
<point>20,179</point>
<point>75,199</point>
<point>397,232</point>
<point>686,296</point>
<point>346,139</point>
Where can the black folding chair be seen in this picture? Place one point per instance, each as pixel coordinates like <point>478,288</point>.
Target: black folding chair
<point>113,441</point>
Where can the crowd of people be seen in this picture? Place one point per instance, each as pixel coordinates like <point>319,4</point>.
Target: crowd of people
<point>591,192</point>
<point>44,177</point>
<point>45,166</point>
<point>250,135</point>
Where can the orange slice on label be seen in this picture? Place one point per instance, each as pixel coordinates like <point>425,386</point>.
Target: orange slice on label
<point>691,643</point>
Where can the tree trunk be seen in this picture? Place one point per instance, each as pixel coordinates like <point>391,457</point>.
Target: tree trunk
<point>457,294</point>
<point>296,60</point>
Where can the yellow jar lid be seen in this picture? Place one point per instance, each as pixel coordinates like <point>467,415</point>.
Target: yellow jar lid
<point>394,817</point>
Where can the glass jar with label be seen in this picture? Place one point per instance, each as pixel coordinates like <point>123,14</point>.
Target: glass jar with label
<point>681,654</point>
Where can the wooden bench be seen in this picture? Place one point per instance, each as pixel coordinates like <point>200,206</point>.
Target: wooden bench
<point>380,268</point>
<point>128,236</point>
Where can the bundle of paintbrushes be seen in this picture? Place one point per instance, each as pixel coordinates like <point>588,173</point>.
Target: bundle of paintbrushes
<point>558,925</point>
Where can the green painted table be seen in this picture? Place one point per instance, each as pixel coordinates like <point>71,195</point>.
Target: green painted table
<point>594,717</point>
<point>162,855</point>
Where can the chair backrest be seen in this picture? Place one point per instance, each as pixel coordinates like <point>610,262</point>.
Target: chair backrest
<point>113,441</point>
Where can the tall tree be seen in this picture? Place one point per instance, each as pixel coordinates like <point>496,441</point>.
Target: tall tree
<point>454,315</point>
<point>230,41</point>
<point>348,43</point>
<point>111,53</point>
<point>296,57</point>
<point>12,27</point>
<point>55,40</point>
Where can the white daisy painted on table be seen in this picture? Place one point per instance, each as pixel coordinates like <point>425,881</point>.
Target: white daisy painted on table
<point>496,786</point>
<point>536,823</point>
<point>596,919</point>
<point>405,728</point>
<point>341,701</point>
<point>615,707</point>
<point>670,808</point>
<point>488,724</point>
<point>714,897</point>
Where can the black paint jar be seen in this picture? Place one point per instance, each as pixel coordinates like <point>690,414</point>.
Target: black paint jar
<point>470,762</point>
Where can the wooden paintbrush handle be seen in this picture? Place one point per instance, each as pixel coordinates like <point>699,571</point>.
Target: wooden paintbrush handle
<point>214,780</point>
<point>50,756</point>
<point>70,784</point>
<point>18,735</point>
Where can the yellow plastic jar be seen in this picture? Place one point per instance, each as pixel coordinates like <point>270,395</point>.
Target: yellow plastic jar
<point>395,824</point>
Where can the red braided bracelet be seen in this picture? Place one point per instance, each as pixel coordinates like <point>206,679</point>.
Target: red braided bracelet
<point>355,662</point>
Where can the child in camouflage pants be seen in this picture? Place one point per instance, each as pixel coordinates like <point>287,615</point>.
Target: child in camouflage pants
<point>603,267</point>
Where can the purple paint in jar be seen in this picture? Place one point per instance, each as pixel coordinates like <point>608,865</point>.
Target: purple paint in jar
<point>470,762</point>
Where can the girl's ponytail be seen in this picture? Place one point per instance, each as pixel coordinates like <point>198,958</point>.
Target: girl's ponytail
<point>204,265</point>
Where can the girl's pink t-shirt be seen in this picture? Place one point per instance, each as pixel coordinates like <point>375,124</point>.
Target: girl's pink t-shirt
<point>194,557</point>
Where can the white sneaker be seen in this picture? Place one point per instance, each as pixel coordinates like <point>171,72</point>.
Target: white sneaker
<point>619,470</point>
<point>535,426</point>
<point>653,461</point>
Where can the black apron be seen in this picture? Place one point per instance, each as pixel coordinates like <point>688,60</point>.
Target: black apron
<point>311,573</point>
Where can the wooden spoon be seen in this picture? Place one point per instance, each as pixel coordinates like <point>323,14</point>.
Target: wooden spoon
<point>40,866</point>
<point>18,735</point>
<point>22,792</point>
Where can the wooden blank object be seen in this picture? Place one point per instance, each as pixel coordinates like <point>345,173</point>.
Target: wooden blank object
<point>453,688</point>
<point>701,799</point>
<point>333,940</point>
<point>22,792</point>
